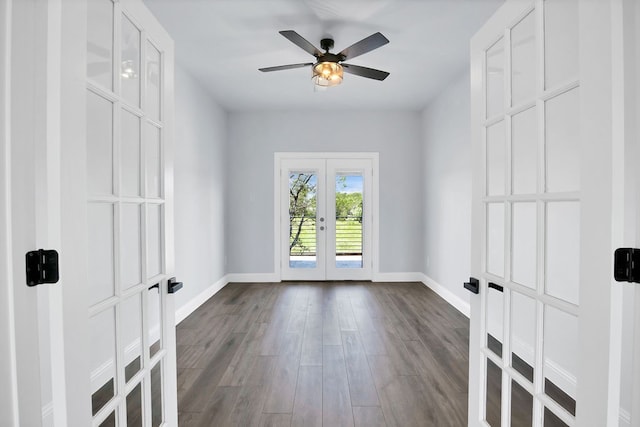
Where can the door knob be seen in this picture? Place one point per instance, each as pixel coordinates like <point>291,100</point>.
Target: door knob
<point>321,228</point>
<point>473,285</point>
<point>174,286</point>
<point>321,219</point>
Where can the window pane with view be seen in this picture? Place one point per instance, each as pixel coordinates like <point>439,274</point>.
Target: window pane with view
<point>302,219</point>
<point>349,190</point>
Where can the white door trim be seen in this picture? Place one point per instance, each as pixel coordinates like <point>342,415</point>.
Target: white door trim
<point>9,384</point>
<point>375,236</point>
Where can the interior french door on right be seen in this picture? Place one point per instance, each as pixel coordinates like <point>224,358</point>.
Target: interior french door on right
<point>542,208</point>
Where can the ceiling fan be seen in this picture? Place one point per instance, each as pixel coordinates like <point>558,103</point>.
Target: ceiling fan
<point>328,68</point>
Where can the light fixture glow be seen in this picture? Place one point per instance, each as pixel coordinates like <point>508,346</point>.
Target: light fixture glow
<point>327,74</point>
<point>128,70</point>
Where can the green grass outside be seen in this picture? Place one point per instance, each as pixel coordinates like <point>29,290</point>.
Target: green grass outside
<point>348,238</point>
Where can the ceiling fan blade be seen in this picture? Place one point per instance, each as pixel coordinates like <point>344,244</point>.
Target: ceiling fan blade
<point>365,45</point>
<point>369,73</point>
<point>285,67</point>
<point>301,42</point>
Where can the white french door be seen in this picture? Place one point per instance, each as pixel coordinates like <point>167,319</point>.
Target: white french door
<point>325,211</point>
<point>102,73</point>
<point>543,347</point>
<point>129,216</point>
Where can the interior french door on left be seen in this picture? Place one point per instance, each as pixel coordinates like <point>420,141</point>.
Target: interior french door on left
<point>100,344</point>
<point>129,216</point>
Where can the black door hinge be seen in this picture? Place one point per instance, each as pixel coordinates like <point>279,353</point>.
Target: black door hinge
<point>42,267</point>
<point>626,265</point>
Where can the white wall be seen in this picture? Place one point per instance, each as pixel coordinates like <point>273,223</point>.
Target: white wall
<point>254,137</point>
<point>200,179</point>
<point>446,187</point>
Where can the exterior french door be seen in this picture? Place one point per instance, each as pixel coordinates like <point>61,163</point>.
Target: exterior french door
<point>543,346</point>
<point>326,218</point>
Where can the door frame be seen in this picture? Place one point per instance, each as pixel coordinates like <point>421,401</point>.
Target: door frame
<point>9,401</point>
<point>30,204</point>
<point>626,188</point>
<point>277,200</point>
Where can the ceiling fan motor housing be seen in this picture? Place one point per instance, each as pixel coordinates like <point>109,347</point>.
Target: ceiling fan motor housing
<point>326,44</point>
<point>330,57</point>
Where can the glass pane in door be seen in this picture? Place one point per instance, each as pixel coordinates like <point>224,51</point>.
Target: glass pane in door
<point>103,359</point>
<point>100,42</point>
<point>134,407</point>
<point>154,320</point>
<point>154,70</point>
<point>495,321</point>
<point>130,62</point>
<point>157,415</point>
<point>131,321</point>
<point>521,406</point>
<point>495,79</point>
<point>561,357</point>
<point>303,188</point>
<point>349,195</point>
<point>523,60</point>
<point>493,402</point>
<point>561,46</point>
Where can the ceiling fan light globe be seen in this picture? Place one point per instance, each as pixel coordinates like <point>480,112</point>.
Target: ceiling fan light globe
<point>327,74</point>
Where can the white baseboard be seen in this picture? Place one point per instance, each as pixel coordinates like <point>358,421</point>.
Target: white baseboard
<point>396,277</point>
<point>195,302</point>
<point>252,278</point>
<point>458,303</point>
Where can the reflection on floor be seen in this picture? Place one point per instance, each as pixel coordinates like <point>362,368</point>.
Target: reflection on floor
<point>342,261</point>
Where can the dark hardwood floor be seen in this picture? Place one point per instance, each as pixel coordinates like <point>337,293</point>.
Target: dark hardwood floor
<point>332,354</point>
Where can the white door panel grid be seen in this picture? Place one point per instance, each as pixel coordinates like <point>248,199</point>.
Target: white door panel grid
<point>544,343</point>
<point>99,107</point>
<point>325,210</point>
<point>129,216</point>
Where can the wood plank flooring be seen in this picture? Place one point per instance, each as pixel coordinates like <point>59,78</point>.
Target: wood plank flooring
<point>323,354</point>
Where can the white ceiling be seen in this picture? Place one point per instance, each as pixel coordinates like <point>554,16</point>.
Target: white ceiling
<point>222,43</point>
